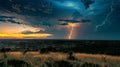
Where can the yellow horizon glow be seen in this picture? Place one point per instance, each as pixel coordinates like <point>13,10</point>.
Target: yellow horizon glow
<point>25,36</point>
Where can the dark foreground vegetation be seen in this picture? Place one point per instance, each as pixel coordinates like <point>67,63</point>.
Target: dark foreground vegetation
<point>35,59</point>
<point>45,46</point>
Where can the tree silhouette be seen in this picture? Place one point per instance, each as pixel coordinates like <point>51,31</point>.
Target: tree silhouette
<point>71,56</point>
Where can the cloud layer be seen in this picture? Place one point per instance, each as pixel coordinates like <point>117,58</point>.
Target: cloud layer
<point>41,16</point>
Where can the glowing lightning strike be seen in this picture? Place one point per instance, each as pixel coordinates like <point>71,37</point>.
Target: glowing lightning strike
<point>107,16</point>
<point>71,26</point>
<point>71,32</point>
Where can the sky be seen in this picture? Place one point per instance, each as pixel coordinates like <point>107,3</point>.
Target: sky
<point>60,19</point>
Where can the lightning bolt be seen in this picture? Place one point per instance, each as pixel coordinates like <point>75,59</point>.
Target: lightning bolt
<point>107,16</point>
<point>71,32</point>
<point>72,27</point>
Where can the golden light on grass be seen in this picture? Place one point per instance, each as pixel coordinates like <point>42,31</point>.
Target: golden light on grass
<point>52,57</point>
<point>26,36</point>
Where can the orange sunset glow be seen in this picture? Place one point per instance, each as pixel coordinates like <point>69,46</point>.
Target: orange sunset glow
<point>26,36</point>
<point>15,31</point>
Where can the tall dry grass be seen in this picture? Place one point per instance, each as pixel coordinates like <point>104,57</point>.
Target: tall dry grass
<point>55,59</point>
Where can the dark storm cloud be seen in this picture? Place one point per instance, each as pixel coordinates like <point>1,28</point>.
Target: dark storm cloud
<point>9,19</point>
<point>87,3</point>
<point>30,32</point>
<point>27,32</point>
<point>2,20</point>
<point>38,10</point>
<point>26,7</point>
<point>13,21</point>
<point>59,0</point>
<point>34,11</point>
<point>6,18</point>
<point>75,21</point>
<point>37,32</point>
<point>76,17</point>
<point>46,13</point>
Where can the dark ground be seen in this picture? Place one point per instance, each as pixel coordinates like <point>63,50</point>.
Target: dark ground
<point>45,46</point>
